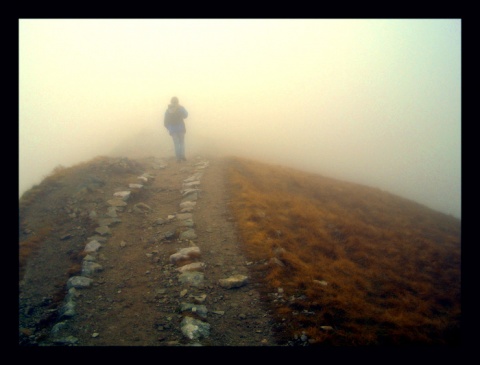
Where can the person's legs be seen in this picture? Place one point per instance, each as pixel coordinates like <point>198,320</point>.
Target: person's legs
<point>179,144</point>
<point>176,145</point>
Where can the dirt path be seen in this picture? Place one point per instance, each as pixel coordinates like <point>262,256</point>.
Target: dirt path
<point>135,300</point>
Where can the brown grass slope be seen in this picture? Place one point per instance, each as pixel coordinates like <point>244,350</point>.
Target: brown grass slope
<point>391,266</point>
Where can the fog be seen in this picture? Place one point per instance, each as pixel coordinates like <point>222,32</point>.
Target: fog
<point>371,101</point>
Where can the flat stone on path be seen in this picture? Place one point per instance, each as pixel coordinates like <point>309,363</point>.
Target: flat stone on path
<point>124,195</point>
<point>78,282</point>
<point>191,184</point>
<point>190,197</point>
<point>116,202</point>
<point>188,235</point>
<point>187,223</point>
<point>194,177</point>
<point>188,204</point>
<point>235,281</point>
<point>158,222</point>
<point>193,278</point>
<point>97,238</point>
<point>185,254</point>
<point>194,328</point>
<point>141,208</point>
<point>103,230</point>
<point>112,212</point>
<point>194,266</point>
<point>189,191</point>
<point>89,268</point>
<point>92,246</point>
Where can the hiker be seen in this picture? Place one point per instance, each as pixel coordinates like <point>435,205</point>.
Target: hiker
<point>174,122</point>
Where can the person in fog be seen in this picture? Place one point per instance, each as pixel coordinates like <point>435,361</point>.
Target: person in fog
<point>174,122</point>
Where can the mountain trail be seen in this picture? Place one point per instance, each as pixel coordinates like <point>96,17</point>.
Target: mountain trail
<point>162,265</point>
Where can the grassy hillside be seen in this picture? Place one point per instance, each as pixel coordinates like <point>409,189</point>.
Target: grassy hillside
<point>347,264</point>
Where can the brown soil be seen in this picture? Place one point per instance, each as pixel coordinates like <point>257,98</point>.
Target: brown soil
<point>135,300</point>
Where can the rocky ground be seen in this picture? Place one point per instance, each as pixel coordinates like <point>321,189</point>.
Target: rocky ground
<point>136,296</point>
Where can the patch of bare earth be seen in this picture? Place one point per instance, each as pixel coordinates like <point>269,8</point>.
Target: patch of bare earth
<point>135,300</point>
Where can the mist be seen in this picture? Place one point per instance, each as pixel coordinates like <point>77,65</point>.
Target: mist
<point>371,101</point>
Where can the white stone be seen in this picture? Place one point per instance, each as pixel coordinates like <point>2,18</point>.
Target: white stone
<point>185,253</point>
<point>194,329</point>
<point>124,195</point>
<point>194,266</point>
<point>188,204</point>
<point>116,202</point>
<point>234,281</point>
<point>78,282</point>
<point>92,246</point>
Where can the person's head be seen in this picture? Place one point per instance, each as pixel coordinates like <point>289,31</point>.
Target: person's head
<point>174,101</point>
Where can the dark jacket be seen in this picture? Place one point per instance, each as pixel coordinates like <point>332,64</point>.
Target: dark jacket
<point>174,119</point>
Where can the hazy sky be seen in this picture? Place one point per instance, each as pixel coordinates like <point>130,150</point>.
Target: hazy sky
<point>371,101</point>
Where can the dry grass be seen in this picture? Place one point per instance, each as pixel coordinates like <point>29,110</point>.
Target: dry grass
<point>39,194</point>
<point>392,266</point>
<point>29,246</point>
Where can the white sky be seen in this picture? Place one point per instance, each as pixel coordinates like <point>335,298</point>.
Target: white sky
<point>372,101</point>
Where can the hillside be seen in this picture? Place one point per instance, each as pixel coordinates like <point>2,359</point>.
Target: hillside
<point>327,262</point>
<point>357,266</point>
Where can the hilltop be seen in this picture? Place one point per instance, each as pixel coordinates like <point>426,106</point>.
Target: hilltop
<point>325,262</point>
